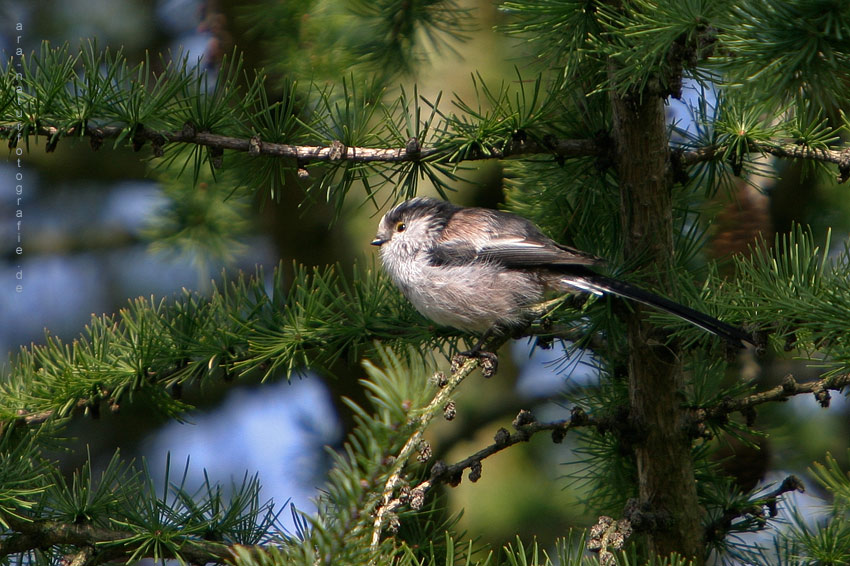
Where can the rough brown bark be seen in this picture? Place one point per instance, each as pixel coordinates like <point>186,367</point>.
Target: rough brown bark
<point>665,471</point>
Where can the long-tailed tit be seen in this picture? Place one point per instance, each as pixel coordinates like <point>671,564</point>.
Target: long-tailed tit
<point>477,269</point>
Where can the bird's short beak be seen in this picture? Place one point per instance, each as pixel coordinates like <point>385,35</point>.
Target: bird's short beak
<point>378,241</point>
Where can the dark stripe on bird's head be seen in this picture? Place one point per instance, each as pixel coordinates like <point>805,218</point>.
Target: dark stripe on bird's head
<point>440,210</point>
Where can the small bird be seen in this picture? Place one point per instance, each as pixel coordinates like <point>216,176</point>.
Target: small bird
<point>482,271</point>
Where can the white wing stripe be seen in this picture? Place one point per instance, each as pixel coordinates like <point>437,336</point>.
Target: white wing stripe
<point>584,285</point>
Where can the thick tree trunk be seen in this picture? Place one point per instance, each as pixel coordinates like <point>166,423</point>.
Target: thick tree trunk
<point>665,470</point>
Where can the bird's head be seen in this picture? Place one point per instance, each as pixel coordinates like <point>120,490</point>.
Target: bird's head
<point>412,225</point>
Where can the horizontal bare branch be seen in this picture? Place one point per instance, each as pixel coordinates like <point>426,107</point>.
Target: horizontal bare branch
<point>336,151</point>
<point>841,158</point>
<point>789,388</point>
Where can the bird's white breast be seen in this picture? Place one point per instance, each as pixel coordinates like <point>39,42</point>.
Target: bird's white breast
<point>470,297</point>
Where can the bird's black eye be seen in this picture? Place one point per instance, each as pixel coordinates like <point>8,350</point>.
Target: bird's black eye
<point>400,227</point>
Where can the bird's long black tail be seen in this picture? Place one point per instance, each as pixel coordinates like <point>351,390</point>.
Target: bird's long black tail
<point>595,283</point>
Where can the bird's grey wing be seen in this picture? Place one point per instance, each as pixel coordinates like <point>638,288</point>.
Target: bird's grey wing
<point>519,253</point>
<point>525,253</point>
<point>478,234</point>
